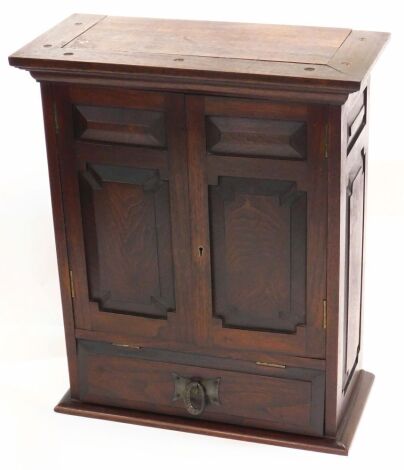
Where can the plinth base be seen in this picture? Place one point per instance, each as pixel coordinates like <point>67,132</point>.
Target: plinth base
<point>338,445</point>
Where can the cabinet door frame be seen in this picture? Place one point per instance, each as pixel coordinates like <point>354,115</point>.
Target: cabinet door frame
<point>310,175</point>
<point>169,163</point>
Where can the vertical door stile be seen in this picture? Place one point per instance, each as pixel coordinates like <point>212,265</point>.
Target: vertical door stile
<point>180,209</point>
<point>53,147</point>
<point>199,218</point>
<point>69,166</point>
<point>317,230</point>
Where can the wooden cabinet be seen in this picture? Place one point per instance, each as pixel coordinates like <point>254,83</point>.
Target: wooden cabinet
<point>209,205</point>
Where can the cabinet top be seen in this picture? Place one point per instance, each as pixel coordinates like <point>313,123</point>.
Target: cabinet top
<point>336,58</point>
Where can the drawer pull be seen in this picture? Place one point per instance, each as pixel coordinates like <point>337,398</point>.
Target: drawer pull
<point>196,393</point>
<point>194,398</point>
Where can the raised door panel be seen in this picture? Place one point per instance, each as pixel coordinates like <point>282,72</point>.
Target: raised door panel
<point>124,176</point>
<point>127,233</point>
<point>258,217</point>
<point>355,190</point>
<point>120,125</point>
<point>258,239</point>
<point>269,138</point>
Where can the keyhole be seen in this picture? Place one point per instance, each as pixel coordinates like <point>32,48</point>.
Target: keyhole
<point>200,250</point>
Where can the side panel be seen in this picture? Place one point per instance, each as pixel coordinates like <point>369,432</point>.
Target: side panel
<point>353,270</point>
<point>348,140</point>
<point>59,223</point>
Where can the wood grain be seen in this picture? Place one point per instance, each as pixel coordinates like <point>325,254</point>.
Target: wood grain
<point>208,186</point>
<point>59,225</point>
<point>257,137</point>
<point>120,125</point>
<point>200,38</point>
<point>264,401</point>
<point>258,232</point>
<point>304,56</point>
<point>248,237</point>
<point>344,280</point>
<point>127,230</point>
<point>339,445</point>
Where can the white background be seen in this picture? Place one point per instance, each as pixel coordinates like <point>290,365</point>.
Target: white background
<point>33,371</point>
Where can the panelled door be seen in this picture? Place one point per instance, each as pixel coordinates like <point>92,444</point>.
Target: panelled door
<point>258,191</point>
<point>124,183</point>
<point>195,221</point>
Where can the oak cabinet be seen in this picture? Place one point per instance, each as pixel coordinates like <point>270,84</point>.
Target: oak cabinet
<point>209,205</point>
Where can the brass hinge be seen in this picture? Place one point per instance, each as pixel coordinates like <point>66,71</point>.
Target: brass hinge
<point>326,141</point>
<point>55,118</point>
<point>71,284</point>
<point>271,364</point>
<point>126,346</point>
<point>324,313</point>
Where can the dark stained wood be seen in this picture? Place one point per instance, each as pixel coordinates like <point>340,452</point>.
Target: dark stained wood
<point>353,411</point>
<point>276,365</point>
<point>263,356</point>
<point>333,445</point>
<point>258,235</point>
<point>47,93</point>
<point>344,292</point>
<point>180,207</point>
<point>199,218</point>
<point>250,281</point>
<point>256,400</point>
<point>122,155</point>
<point>219,106</point>
<point>353,196</point>
<point>258,137</point>
<point>356,117</point>
<point>112,191</point>
<point>127,231</point>
<point>281,54</point>
<point>354,253</point>
<point>334,329</point>
<point>208,186</point>
<point>126,126</point>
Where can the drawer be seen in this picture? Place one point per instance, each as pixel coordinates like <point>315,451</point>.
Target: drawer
<point>137,379</point>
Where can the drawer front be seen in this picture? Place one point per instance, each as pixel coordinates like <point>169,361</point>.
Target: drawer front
<point>137,379</point>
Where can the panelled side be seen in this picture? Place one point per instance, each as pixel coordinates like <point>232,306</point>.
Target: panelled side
<point>347,182</point>
<point>59,224</point>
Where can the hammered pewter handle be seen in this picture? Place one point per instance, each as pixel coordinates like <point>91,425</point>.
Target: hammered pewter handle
<point>196,393</point>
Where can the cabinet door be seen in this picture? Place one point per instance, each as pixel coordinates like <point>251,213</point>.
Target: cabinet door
<point>257,177</point>
<point>124,177</point>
